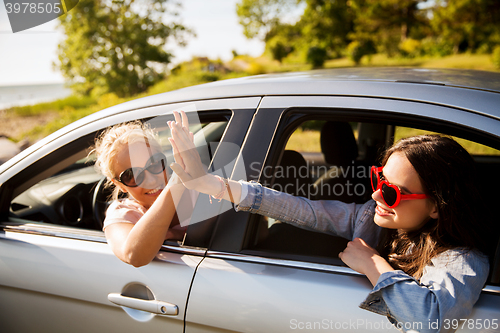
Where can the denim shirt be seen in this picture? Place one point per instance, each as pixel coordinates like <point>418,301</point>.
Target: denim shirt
<point>450,284</point>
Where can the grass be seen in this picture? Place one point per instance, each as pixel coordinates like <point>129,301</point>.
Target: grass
<point>464,61</point>
<point>304,141</point>
<point>309,141</point>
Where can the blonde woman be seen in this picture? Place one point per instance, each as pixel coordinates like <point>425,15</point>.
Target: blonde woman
<point>130,156</point>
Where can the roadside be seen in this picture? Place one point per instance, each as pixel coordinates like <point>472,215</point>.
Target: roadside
<point>15,126</point>
<point>12,129</point>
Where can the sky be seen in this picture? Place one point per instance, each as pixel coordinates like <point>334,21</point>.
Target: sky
<point>26,57</point>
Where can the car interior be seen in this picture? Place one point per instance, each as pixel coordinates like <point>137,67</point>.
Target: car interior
<point>76,195</point>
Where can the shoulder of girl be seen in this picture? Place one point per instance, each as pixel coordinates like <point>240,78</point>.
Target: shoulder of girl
<point>461,256</point>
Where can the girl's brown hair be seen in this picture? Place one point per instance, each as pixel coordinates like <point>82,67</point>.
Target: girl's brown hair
<point>447,173</point>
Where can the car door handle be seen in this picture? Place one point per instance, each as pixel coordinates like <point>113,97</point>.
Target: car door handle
<point>154,306</point>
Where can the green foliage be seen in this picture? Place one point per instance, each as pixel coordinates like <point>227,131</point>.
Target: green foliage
<point>436,47</point>
<point>410,48</point>
<point>496,57</point>
<point>410,28</point>
<point>316,56</point>
<point>72,102</point>
<point>260,17</point>
<point>279,48</point>
<point>356,50</point>
<point>386,22</point>
<point>327,24</point>
<point>467,24</point>
<point>116,46</point>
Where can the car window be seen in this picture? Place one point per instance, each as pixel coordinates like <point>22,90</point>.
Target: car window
<point>474,148</point>
<point>68,196</point>
<point>330,159</point>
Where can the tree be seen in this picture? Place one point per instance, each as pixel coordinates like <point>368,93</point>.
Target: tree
<point>322,29</point>
<point>326,25</point>
<point>116,45</point>
<point>386,23</point>
<point>468,23</point>
<point>260,17</point>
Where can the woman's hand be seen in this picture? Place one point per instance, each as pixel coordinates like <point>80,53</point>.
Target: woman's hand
<point>364,259</point>
<point>187,166</point>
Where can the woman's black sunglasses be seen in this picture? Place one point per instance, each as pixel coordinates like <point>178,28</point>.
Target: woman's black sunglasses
<point>133,177</point>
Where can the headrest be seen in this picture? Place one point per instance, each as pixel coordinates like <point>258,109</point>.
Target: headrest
<point>338,143</point>
<point>294,176</point>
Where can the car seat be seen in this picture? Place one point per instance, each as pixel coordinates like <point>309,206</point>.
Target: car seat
<point>347,179</point>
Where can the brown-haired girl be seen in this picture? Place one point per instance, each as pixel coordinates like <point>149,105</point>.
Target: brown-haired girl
<point>424,220</point>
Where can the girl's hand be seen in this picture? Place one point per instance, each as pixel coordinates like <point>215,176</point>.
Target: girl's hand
<point>187,164</point>
<point>364,259</point>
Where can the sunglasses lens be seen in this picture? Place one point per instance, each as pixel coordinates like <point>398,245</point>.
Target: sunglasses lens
<point>157,165</point>
<point>389,194</point>
<point>135,176</point>
<point>131,177</point>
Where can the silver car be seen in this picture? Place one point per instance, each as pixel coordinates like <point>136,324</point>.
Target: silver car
<point>235,271</point>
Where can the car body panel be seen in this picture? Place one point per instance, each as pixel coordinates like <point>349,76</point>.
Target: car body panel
<point>273,298</point>
<point>37,271</point>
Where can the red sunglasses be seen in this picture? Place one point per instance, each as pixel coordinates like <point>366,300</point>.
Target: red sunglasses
<point>391,194</point>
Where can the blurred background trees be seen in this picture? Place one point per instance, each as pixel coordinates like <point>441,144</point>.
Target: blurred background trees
<point>117,46</point>
<point>115,50</point>
<point>330,29</point>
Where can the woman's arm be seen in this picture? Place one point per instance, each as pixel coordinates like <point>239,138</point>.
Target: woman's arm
<point>193,174</point>
<point>137,244</point>
<point>364,259</point>
<point>447,291</point>
<point>332,217</point>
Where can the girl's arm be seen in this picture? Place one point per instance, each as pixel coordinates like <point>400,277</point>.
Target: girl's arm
<point>331,217</point>
<point>193,174</point>
<point>137,244</point>
<point>364,259</point>
<point>446,292</point>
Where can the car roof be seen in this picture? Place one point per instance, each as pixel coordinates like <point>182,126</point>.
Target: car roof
<point>477,91</point>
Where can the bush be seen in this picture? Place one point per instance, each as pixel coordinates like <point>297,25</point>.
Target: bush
<point>316,56</point>
<point>356,50</point>
<point>436,47</point>
<point>256,68</point>
<point>496,57</point>
<point>410,48</point>
<point>74,101</point>
<point>279,48</point>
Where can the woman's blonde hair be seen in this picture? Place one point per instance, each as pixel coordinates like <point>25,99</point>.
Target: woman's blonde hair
<point>110,142</point>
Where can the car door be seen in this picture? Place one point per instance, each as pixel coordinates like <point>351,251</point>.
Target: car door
<point>58,274</point>
<point>294,281</point>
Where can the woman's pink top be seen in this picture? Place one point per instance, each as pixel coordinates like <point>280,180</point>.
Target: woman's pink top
<point>130,211</point>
